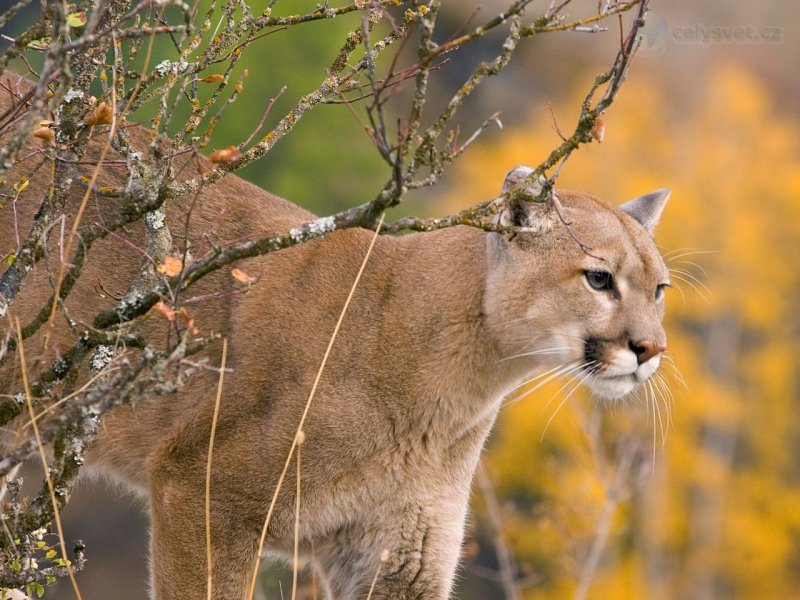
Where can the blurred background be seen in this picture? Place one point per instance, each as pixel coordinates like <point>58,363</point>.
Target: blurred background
<point>710,109</point>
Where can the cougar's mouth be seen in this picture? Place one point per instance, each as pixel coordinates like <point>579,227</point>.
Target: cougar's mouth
<point>615,372</point>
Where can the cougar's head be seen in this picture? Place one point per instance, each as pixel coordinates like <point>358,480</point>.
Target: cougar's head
<point>580,292</point>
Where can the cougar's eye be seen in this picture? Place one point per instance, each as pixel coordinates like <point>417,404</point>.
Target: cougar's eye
<point>600,280</point>
<point>660,290</point>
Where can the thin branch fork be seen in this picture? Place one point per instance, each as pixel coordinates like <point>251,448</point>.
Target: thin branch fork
<point>612,79</point>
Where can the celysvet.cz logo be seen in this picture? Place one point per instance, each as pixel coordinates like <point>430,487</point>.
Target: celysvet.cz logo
<point>700,33</point>
<point>657,34</point>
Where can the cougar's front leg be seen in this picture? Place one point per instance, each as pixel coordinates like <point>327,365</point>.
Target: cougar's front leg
<point>178,539</point>
<point>414,554</point>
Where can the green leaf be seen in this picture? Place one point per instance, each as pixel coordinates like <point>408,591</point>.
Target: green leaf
<point>50,554</point>
<point>77,19</point>
<point>40,44</point>
<point>34,588</point>
<point>22,184</point>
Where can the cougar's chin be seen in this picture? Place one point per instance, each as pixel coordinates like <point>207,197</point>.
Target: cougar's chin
<point>613,386</point>
<point>611,383</point>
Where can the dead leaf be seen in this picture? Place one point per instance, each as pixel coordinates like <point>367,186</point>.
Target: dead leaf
<point>598,131</point>
<point>242,277</point>
<point>226,155</point>
<point>46,134</point>
<point>189,320</point>
<point>164,311</point>
<point>102,115</point>
<point>170,267</point>
<point>216,78</point>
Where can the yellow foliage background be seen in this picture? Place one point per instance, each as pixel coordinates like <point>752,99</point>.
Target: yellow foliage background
<point>717,512</point>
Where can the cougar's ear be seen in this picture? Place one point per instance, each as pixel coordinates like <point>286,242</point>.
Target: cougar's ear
<point>518,210</point>
<point>647,209</point>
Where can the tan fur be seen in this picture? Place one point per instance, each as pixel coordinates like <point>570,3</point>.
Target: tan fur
<point>410,392</point>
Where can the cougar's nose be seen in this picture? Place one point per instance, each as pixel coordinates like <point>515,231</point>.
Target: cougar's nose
<point>645,350</point>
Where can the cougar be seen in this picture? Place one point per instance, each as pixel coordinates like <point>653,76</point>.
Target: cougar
<point>441,327</point>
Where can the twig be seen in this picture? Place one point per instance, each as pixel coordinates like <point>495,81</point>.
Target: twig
<point>301,436</point>
<point>619,485</point>
<point>84,201</point>
<point>209,554</point>
<point>505,559</point>
<point>43,459</point>
<point>384,557</point>
<point>270,104</point>
<point>555,123</point>
<point>4,481</point>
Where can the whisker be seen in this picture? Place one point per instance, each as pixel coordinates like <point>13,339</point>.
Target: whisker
<point>578,383</point>
<point>688,275</point>
<point>555,372</point>
<point>667,395</point>
<point>635,394</point>
<point>553,350</point>
<point>566,334</point>
<point>675,275</point>
<point>516,320</point>
<point>527,341</point>
<point>681,252</point>
<point>549,375</point>
<point>668,356</point>
<point>680,291</point>
<point>675,371</point>
<point>648,390</point>
<point>668,388</point>
<point>513,400</point>
<point>657,408</point>
<point>588,366</point>
<point>675,376</point>
<point>688,263</point>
